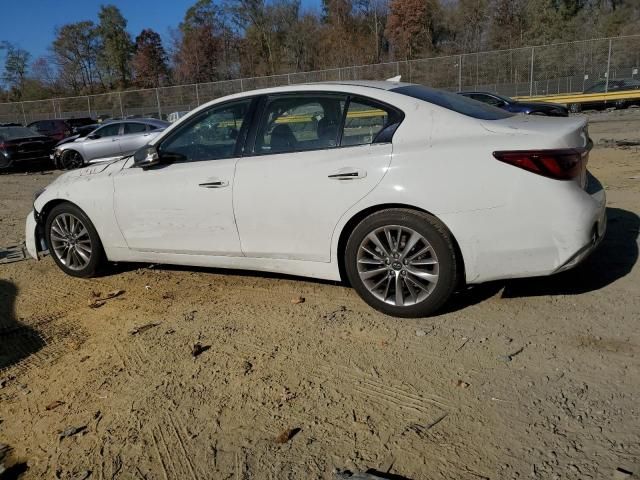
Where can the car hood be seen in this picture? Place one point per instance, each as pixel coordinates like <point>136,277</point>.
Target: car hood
<point>92,171</point>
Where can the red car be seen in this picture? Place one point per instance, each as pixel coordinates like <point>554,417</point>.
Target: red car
<point>54,129</point>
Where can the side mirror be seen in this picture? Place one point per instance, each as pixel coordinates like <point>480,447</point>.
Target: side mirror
<point>93,136</point>
<point>146,157</point>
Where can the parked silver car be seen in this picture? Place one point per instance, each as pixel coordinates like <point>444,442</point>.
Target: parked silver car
<point>110,141</point>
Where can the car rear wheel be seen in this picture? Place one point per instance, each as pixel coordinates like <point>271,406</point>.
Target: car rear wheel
<point>575,108</point>
<point>71,159</point>
<point>402,262</point>
<point>73,241</point>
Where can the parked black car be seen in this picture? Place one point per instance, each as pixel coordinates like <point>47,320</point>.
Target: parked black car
<point>514,106</point>
<point>21,144</point>
<point>615,85</point>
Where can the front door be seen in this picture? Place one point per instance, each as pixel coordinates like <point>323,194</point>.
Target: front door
<point>312,162</point>
<point>186,207</point>
<point>104,143</point>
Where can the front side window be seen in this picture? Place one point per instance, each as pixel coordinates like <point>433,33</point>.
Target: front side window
<point>300,122</point>
<point>134,128</point>
<point>364,121</point>
<point>108,130</point>
<point>211,135</point>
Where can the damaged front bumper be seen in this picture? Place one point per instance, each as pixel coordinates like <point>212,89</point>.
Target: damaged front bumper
<point>34,236</point>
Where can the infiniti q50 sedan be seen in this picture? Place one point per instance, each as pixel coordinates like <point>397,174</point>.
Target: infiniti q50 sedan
<point>403,191</point>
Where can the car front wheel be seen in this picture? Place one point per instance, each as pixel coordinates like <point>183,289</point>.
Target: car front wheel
<point>73,241</point>
<point>402,262</point>
<point>71,159</point>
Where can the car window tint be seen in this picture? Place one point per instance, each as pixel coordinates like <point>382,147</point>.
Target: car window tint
<point>109,130</point>
<point>454,102</point>
<point>212,135</point>
<point>363,122</point>
<point>300,122</point>
<point>489,100</point>
<point>134,128</point>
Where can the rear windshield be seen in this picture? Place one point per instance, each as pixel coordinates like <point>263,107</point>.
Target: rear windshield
<point>452,101</point>
<point>11,133</point>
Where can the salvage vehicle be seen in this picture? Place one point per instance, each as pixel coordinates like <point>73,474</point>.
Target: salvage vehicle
<point>108,142</point>
<point>616,85</point>
<point>21,144</point>
<point>403,191</point>
<point>517,106</point>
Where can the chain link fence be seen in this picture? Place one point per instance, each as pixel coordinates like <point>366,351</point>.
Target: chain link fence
<point>529,71</point>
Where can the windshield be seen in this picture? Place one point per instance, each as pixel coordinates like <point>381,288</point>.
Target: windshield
<point>12,133</point>
<point>455,102</point>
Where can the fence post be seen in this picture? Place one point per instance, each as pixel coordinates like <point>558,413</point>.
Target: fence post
<point>531,74</point>
<point>24,116</point>
<point>121,109</point>
<point>89,105</point>
<point>606,84</point>
<point>158,102</point>
<point>198,93</point>
<point>241,87</point>
<point>288,79</point>
<point>460,74</point>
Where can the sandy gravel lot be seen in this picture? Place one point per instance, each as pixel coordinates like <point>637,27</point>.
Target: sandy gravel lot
<point>533,378</point>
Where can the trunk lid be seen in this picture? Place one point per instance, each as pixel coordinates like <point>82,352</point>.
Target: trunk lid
<point>531,132</point>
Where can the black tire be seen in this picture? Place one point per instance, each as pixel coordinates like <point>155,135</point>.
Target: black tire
<point>539,114</point>
<point>96,256</point>
<point>441,242</point>
<point>575,108</point>
<point>71,159</point>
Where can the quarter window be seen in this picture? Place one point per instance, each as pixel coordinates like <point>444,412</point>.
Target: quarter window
<point>300,122</point>
<point>364,121</point>
<point>212,135</point>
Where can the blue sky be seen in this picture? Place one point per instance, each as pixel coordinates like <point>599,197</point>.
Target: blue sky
<point>31,23</point>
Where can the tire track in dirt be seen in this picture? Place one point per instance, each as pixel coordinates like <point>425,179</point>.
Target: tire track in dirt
<point>387,394</point>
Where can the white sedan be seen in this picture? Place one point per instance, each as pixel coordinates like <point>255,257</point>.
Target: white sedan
<point>403,191</point>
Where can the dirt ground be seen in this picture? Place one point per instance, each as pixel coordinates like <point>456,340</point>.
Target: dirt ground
<point>534,378</point>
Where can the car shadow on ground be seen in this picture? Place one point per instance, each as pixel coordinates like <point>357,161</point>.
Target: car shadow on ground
<point>17,341</point>
<point>614,258</point>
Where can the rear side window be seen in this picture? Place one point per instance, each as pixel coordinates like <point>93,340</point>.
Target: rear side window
<point>364,121</point>
<point>300,122</point>
<point>454,102</point>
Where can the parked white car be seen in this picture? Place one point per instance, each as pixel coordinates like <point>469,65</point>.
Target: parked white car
<point>401,190</point>
<point>108,142</point>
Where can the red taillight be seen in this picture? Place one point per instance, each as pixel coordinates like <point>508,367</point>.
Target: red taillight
<point>564,164</point>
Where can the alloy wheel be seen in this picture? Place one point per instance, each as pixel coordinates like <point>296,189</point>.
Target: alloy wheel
<point>397,265</point>
<point>70,241</point>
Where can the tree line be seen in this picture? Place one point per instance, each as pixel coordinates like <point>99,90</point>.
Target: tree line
<point>247,38</point>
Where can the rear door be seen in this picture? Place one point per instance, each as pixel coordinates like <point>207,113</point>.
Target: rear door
<point>104,143</point>
<point>314,157</point>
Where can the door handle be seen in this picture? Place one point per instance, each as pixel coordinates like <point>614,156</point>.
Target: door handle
<point>348,173</point>
<point>214,184</point>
